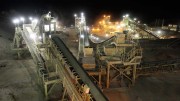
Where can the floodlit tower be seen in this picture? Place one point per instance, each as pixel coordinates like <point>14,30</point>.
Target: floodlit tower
<point>80,25</point>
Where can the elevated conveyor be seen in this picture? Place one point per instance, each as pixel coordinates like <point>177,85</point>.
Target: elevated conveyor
<point>57,65</point>
<point>146,30</point>
<point>97,94</point>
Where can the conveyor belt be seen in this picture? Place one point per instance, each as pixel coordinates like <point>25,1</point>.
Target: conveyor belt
<point>95,91</point>
<point>145,30</point>
<point>105,42</point>
<point>149,32</point>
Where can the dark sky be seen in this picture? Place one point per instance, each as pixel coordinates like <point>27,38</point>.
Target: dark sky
<point>146,10</point>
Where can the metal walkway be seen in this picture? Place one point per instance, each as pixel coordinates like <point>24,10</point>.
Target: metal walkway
<point>56,64</point>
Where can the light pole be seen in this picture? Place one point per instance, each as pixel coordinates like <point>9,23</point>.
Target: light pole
<point>75,16</point>
<point>80,24</point>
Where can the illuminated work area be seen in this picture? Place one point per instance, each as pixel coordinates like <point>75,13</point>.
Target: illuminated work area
<point>83,55</point>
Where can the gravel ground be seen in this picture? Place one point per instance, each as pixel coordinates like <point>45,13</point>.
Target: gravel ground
<point>18,81</point>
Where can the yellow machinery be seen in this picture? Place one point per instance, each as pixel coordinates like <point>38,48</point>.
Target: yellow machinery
<point>105,27</point>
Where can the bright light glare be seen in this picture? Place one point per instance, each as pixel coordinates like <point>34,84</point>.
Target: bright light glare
<point>127,15</point>
<point>82,14</point>
<point>136,35</point>
<point>82,36</point>
<point>30,18</point>
<point>22,19</point>
<point>130,29</point>
<point>122,24</point>
<point>54,20</point>
<point>16,21</point>
<point>75,15</point>
<point>33,36</point>
<point>107,35</point>
<point>118,26</point>
<point>47,16</point>
<point>158,32</point>
<point>40,37</point>
<point>35,20</point>
<point>52,27</point>
<point>82,21</point>
<point>46,28</point>
<point>135,19</point>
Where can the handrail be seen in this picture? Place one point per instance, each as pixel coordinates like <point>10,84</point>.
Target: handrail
<point>133,53</point>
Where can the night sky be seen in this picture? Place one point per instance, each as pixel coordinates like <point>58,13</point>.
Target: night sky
<point>145,10</point>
